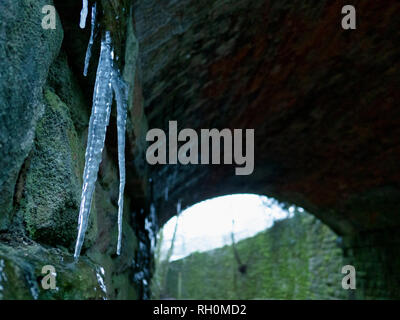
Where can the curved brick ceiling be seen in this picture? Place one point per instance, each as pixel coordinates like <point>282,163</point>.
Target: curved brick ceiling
<point>324,102</point>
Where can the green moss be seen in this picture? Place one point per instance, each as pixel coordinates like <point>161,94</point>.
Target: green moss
<point>53,180</point>
<point>297,258</point>
<point>21,274</point>
<point>62,80</point>
<point>26,52</point>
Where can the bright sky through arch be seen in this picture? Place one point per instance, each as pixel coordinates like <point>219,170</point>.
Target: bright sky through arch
<point>208,224</point>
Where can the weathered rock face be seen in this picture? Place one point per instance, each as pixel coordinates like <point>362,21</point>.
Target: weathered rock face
<point>21,274</point>
<point>27,51</point>
<point>52,190</point>
<point>45,106</point>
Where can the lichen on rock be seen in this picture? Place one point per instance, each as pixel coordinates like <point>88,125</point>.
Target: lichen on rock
<point>52,181</point>
<point>21,274</point>
<point>26,51</point>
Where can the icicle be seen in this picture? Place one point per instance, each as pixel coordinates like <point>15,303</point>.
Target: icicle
<point>102,100</point>
<point>150,224</point>
<point>100,275</point>
<point>3,277</point>
<point>121,96</point>
<point>89,48</point>
<point>84,13</point>
<point>108,80</point>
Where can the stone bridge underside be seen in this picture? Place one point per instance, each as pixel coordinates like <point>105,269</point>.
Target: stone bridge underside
<point>324,103</point>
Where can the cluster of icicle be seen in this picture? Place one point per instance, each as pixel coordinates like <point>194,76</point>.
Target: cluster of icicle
<point>108,82</point>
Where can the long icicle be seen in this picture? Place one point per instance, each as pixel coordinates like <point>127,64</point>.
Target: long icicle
<point>91,41</point>
<point>121,96</point>
<point>99,119</point>
<point>84,13</point>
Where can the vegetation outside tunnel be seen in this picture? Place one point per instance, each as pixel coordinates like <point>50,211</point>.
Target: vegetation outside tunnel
<point>297,258</point>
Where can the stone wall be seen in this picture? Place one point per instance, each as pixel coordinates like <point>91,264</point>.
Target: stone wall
<point>297,258</point>
<point>375,257</point>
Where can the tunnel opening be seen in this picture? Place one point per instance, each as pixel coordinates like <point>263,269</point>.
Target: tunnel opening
<point>247,246</point>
